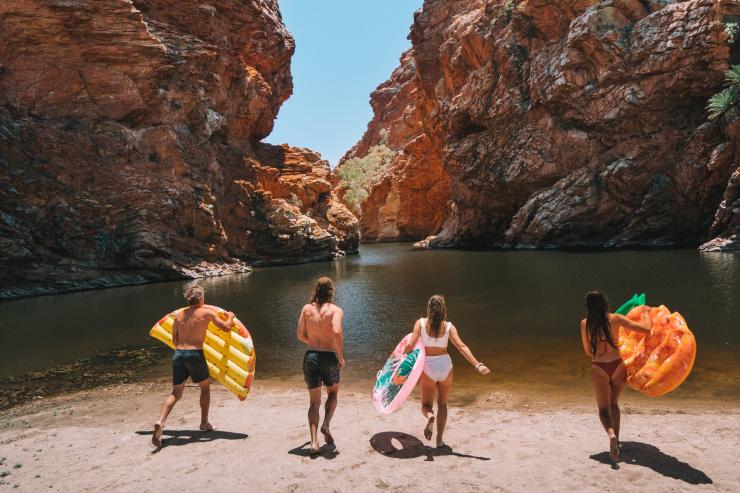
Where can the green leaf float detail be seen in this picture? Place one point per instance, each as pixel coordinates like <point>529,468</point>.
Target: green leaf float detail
<point>627,306</point>
<point>398,377</point>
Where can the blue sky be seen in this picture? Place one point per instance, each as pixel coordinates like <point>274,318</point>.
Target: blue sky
<point>344,50</point>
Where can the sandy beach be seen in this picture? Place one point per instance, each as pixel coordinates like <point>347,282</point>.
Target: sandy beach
<point>99,440</point>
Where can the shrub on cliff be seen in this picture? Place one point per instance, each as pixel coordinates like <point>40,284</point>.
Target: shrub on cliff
<point>725,105</point>
<point>358,174</point>
<point>732,31</point>
<point>504,13</point>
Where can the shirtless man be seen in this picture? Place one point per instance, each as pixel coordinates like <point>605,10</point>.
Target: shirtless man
<point>320,328</point>
<point>188,334</point>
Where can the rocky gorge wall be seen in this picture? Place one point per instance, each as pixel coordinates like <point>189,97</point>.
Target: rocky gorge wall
<point>130,146</point>
<point>559,123</point>
<point>410,195</point>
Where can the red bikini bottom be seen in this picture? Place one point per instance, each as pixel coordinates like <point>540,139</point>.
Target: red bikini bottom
<point>609,367</point>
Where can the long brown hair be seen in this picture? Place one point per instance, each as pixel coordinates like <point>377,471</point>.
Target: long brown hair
<point>323,291</point>
<point>436,314</point>
<point>597,320</point>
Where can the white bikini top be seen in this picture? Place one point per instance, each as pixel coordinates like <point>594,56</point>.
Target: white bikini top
<point>430,341</point>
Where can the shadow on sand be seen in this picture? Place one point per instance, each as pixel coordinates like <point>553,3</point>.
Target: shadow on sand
<point>411,447</point>
<point>643,454</point>
<point>185,437</point>
<point>326,451</point>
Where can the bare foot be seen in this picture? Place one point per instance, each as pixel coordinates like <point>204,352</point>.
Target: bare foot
<point>314,450</point>
<point>327,435</point>
<point>428,428</point>
<point>442,445</point>
<point>157,435</point>
<point>206,427</point>
<point>614,448</point>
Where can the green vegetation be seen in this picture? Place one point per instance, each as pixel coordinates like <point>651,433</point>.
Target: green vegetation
<point>504,13</point>
<point>725,105</point>
<point>357,175</point>
<point>732,30</point>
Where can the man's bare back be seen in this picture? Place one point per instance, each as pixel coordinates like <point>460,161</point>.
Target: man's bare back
<point>322,327</point>
<point>191,324</point>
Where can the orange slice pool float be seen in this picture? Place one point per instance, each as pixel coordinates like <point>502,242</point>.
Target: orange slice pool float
<point>659,363</point>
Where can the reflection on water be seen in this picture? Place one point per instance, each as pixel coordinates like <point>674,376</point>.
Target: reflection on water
<point>519,312</point>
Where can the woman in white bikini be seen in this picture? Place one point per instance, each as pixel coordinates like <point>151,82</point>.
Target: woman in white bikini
<point>435,332</point>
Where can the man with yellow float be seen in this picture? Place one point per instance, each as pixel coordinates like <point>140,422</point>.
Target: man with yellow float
<point>649,349</point>
<point>207,341</point>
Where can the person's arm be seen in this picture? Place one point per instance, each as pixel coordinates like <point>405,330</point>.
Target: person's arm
<point>415,334</point>
<point>465,351</point>
<point>336,325</point>
<point>224,325</point>
<point>301,332</point>
<point>642,327</point>
<point>584,339</point>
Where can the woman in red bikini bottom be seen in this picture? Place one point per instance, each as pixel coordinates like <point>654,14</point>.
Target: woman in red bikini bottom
<point>600,334</point>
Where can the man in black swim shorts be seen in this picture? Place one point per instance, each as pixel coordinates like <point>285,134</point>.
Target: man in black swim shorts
<point>320,328</point>
<point>320,367</point>
<point>188,334</point>
<point>189,363</point>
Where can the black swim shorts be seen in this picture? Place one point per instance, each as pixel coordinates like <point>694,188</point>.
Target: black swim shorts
<point>320,367</point>
<point>189,363</point>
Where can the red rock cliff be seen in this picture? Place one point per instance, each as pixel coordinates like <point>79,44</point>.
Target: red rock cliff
<point>129,145</point>
<point>564,123</point>
<point>410,199</point>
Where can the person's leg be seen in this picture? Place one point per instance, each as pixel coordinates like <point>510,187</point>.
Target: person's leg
<point>443,392</point>
<point>169,403</point>
<point>205,404</point>
<point>616,385</point>
<point>329,407</point>
<point>314,396</point>
<point>602,388</point>
<point>428,389</point>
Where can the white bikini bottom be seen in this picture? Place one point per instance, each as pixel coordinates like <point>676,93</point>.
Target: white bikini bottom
<point>438,368</point>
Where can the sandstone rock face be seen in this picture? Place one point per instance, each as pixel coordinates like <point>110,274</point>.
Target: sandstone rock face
<point>725,229</point>
<point>564,123</point>
<point>411,199</point>
<point>129,145</point>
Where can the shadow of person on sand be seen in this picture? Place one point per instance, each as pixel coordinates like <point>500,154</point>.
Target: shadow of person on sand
<point>327,451</point>
<point>643,454</point>
<point>411,447</point>
<point>185,437</point>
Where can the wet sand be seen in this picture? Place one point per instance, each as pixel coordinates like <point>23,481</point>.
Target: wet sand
<point>99,440</point>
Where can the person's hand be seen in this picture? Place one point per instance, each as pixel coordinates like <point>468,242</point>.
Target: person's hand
<point>341,362</point>
<point>482,369</point>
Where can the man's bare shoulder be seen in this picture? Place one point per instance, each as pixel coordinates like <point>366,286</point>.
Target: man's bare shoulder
<point>308,307</point>
<point>204,312</point>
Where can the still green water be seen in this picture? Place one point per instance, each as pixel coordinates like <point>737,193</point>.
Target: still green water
<point>519,311</point>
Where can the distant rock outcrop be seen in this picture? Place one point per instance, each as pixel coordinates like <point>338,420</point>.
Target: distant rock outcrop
<point>129,145</point>
<point>561,123</point>
<point>410,197</point>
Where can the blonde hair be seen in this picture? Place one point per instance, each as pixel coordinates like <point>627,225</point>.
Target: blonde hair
<point>194,293</point>
<point>323,291</point>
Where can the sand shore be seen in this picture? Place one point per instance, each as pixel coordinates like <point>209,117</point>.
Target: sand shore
<point>99,440</point>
